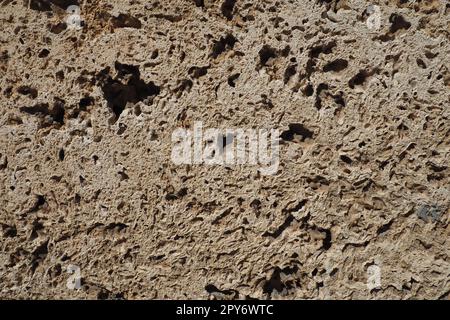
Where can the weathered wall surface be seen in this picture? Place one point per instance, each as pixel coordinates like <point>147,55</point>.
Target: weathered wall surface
<point>86,176</point>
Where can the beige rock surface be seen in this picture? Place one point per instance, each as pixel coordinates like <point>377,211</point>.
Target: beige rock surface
<point>86,122</point>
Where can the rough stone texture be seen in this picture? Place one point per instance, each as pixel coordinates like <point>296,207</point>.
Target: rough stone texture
<point>85,143</point>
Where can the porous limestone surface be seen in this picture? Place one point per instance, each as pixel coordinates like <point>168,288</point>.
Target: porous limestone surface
<point>93,206</point>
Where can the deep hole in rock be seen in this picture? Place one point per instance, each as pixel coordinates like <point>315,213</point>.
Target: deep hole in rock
<point>275,282</point>
<point>232,80</point>
<point>290,218</point>
<point>58,28</point>
<point>289,73</point>
<point>43,53</point>
<point>315,51</point>
<point>45,5</point>
<point>346,159</point>
<point>38,203</point>
<point>61,154</point>
<point>336,65</point>
<point>126,87</point>
<point>265,54</point>
<point>124,20</point>
<point>200,3</point>
<point>224,44</point>
<point>28,91</point>
<point>296,129</point>
<point>227,8</point>
<point>9,231</point>
<point>308,90</point>
<point>339,99</point>
<point>314,54</point>
<point>421,63</point>
<point>43,110</point>
<point>321,87</point>
<point>85,102</point>
<point>326,244</point>
<point>398,23</point>
<point>197,72</point>
<point>358,79</point>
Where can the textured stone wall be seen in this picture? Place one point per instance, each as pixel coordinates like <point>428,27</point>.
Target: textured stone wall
<point>92,205</point>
